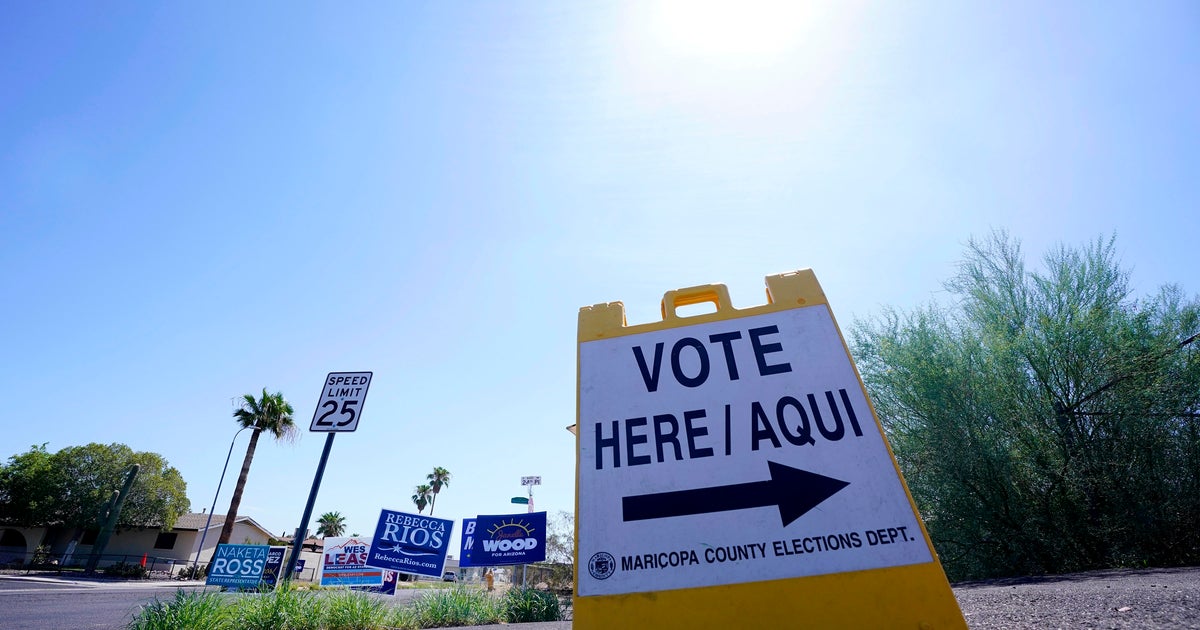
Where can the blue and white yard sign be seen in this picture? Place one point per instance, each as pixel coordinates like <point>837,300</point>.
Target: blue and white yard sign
<point>468,544</point>
<point>509,539</point>
<point>410,543</point>
<point>274,564</point>
<point>237,566</point>
<point>345,563</point>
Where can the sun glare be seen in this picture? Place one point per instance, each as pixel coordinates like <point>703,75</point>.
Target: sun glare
<point>746,28</point>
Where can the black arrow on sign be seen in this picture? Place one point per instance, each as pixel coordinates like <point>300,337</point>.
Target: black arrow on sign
<point>795,491</point>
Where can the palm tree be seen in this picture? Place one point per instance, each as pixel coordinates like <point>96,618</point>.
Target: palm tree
<point>331,524</point>
<point>271,413</point>
<point>421,498</point>
<point>438,479</point>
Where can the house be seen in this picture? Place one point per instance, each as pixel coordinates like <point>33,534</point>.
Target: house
<point>190,530</point>
<point>165,551</point>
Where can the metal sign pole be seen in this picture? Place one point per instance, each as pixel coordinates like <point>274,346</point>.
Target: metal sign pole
<point>298,540</point>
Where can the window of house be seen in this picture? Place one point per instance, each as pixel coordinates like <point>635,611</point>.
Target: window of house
<point>166,540</point>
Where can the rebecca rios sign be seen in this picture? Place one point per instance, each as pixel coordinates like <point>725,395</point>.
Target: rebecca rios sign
<point>410,543</point>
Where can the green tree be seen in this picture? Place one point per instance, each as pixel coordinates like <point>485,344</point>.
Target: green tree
<point>438,479</point>
<point>560,538</point>
<point>71,486</point>
<point>420,497</point>
<point>29,487</point>
<point>1045,420</point>
<point>331,524</point>
<point>270,413</point>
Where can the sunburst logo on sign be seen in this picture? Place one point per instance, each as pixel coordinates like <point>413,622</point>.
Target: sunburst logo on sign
<point>511,529</point>
<point>510,535</point>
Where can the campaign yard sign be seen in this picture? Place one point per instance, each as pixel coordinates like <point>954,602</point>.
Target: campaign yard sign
<point>274,563</point>
<point>389,583</point>
<point>345,563</point>
<point>273,570</point>
<point>410,543</point>
<point>509,539</point>
<point>237,566</point>
<point>467,544</point>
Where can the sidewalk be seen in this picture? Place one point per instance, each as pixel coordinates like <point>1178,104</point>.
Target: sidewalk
<point>98,581</point>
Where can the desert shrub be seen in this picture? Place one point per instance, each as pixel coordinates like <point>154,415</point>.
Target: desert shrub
<point>524,605</point>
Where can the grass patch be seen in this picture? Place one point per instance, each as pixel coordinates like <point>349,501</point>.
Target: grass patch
<point>458,606</point>
<point>296,609</point>
<point>347,610</point>
<point>190,610</point>
<point>282,609</point>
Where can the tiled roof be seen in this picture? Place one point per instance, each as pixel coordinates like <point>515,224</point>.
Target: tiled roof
<point>308,542</point>
<point>196,521</point>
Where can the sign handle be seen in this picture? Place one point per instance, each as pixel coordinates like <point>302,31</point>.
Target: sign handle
<point>717,294</point>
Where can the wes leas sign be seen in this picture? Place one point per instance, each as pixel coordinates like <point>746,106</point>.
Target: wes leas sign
<point>732,451</point>
<point>345,563</point>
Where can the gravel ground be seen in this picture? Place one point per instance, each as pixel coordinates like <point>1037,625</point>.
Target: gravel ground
<point>1147,598</point>
<point>1150,599</point>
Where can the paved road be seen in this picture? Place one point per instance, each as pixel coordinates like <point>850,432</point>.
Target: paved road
<point>1150,599</point>
<point>42,604</point>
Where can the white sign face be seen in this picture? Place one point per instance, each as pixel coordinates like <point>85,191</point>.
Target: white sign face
<point>341,402</point>
<point>730,452</point>
<point>531,481</point>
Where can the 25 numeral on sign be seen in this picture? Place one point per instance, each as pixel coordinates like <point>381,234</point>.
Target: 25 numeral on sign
<point>347,408</point>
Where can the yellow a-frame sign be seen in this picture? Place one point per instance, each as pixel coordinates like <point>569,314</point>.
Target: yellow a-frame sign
<point>731,473</point>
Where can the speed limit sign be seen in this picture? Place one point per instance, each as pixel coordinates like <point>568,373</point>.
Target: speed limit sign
<point>341,402</point>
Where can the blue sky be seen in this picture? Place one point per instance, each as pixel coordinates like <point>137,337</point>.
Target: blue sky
<point>199,201</point>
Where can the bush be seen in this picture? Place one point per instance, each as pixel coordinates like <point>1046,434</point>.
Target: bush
<point>524,605</point>
<point>126,570</point>
<point>41,556</point>
<point>194,572</point>
<point>559,577</point>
